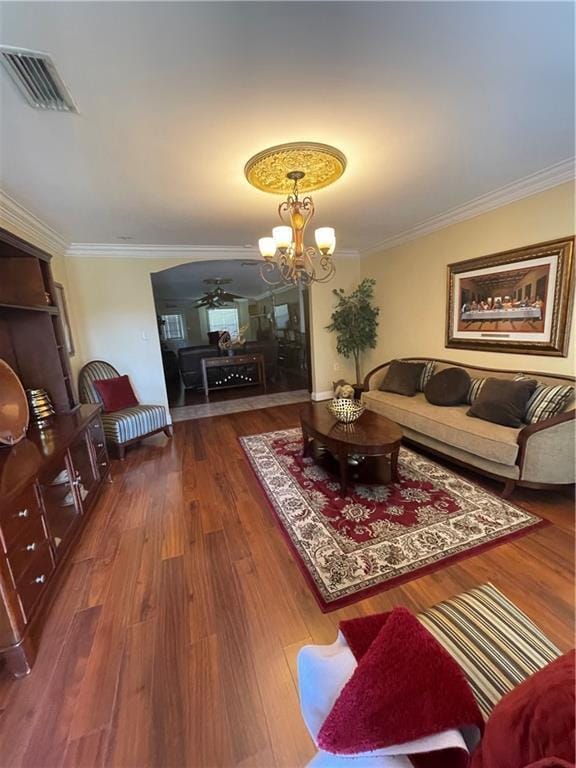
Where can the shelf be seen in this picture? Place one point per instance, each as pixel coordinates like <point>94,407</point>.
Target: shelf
<point>31,308</point>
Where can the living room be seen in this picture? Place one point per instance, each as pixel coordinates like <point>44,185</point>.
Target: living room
<point>378,568</point>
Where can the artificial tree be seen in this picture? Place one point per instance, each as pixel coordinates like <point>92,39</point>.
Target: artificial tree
<point>355,322</point>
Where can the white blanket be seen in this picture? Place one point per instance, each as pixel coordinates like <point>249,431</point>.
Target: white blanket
<point>323,670</point>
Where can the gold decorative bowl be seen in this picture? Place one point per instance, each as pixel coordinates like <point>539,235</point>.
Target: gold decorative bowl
<point>345,410</point>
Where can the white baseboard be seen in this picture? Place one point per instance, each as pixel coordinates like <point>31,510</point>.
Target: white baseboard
<point>327,395</point>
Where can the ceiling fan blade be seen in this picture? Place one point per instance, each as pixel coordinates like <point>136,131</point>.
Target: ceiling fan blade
<point>229,296</point>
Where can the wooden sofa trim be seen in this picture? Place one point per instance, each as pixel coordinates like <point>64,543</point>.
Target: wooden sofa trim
<point>457,364</point>
<point>524,434</point>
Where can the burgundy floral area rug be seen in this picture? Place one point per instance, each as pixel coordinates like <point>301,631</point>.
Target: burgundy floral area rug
<point>379,535</point>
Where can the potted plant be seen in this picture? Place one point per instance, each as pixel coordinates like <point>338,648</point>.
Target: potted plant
<point>355,322</point>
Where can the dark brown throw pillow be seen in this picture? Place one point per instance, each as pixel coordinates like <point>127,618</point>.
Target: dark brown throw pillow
<point>503,401</point>
<point>402,378</point>
<point>448,387</point>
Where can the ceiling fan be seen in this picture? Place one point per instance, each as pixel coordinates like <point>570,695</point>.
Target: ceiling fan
<point>217,297</point>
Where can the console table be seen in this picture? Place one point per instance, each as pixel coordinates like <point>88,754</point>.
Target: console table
<point>48,485</point>
<point>236,361</point>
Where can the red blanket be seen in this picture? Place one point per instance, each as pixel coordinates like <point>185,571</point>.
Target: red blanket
<point>406,687</point>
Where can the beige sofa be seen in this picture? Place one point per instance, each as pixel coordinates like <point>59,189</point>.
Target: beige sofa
<point>537,456</point>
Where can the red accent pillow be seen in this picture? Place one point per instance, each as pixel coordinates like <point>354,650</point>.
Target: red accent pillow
<point>405,686</point>
<point>116,393</point>
<point>533,725</point>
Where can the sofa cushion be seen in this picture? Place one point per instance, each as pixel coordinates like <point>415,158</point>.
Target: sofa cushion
<point>503,402</point>
<point>131,423</point>
<point>474,390</point>
<point>448,387</point>
<point>449,425</point>
<point>496,645</point>
<point>402,378</point>
<point>427,373</point>
<point>546,401</point>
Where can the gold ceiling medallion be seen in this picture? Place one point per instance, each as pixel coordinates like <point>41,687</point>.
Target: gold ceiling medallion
<point>291,169</point>
<point>269,169</point>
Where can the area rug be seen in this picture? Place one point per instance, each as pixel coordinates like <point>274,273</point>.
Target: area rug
<point>379,535</point>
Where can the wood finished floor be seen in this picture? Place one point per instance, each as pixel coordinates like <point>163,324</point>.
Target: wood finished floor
<point>173,641</point>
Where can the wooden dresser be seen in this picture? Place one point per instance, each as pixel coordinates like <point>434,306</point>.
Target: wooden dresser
<point>48,485</point>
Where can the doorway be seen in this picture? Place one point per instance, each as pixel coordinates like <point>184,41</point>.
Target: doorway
<point>214,315</point>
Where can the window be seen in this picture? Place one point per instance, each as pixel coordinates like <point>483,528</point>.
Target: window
<point>224,320</point>
<point>172,327</point>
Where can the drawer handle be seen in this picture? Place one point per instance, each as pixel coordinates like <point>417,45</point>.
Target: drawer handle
<point>31,547</point>
<point>40,579</point>
<point>23,513</point>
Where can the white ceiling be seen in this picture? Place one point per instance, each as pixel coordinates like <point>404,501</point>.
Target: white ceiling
<point>187,280</point>
<point>434,104</point>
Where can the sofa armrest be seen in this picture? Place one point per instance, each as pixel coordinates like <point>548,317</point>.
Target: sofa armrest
<point>546,450</point>
<point>374,378</point>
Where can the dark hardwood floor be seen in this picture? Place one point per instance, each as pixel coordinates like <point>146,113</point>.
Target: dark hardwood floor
<point>174,639</point>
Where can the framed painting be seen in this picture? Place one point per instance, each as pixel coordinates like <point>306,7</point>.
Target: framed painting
<point>517,301</point>
<point>63,309</point>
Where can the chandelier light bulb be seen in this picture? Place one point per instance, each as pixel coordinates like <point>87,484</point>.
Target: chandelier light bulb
<point>325,240</point>
<point>282,236</point>
<point>267,246</point>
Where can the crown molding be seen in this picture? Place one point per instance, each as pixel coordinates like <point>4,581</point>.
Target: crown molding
<point>23,223</point>
<point>177,252</point>
<point>540,181</point>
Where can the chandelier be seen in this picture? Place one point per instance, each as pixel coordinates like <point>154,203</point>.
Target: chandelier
<point>296,168</point>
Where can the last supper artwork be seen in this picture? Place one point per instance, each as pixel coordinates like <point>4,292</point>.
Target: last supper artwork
<point>512,301</point>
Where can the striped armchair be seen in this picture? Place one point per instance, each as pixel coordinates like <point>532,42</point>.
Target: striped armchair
<point>130,425</point>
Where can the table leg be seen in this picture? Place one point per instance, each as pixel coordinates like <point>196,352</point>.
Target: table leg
<point>263,375</point>
<point>205,381</point>
<point>394,466</point>
<point>306,446</point>
<point>343,461</point>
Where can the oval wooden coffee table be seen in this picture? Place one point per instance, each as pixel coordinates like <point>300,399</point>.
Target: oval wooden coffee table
<point>373,437</point>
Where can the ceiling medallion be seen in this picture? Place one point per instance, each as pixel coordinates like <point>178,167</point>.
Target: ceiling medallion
<point>291,169</point>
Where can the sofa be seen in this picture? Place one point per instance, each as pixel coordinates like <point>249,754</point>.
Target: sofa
<point>539,455</point>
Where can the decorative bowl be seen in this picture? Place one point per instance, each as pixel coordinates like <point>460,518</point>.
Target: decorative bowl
<point>346,410</point>
<point>14,415</point>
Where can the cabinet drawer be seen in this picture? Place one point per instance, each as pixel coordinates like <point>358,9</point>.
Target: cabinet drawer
<point>103,464</point>
<point>31,585</point>
<point>97,436</point>
<point>15,518</point>
<point>22,551</point>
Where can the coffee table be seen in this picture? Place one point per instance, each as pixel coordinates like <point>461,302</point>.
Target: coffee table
<point>373,437</point>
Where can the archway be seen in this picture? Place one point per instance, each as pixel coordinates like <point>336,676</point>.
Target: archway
<point>212,316</point>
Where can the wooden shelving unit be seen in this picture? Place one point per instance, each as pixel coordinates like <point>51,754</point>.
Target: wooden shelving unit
<point>31,333</point>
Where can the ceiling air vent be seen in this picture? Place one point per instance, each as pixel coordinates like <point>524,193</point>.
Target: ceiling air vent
<point>37,80</point>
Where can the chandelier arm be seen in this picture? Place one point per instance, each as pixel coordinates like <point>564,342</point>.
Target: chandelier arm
<point>268,267</point>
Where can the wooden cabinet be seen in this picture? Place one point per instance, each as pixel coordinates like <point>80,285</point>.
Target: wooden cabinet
<point>31,333</point>
<point>48,485</point>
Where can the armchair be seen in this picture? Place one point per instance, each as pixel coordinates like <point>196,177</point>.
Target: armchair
<point>125,427</point>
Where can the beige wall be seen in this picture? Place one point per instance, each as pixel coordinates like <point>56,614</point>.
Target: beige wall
<point>411,280</point>
<point>327,364</point>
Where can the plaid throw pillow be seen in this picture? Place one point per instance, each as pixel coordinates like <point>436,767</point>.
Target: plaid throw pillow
<point>426,374</point>
<point>547,400</point>
<point>474,390</point>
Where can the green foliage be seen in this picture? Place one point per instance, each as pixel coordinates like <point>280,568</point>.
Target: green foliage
<point>355,321</point>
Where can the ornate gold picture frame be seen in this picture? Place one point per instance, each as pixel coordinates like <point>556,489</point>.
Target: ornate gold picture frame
<point>517,301</point>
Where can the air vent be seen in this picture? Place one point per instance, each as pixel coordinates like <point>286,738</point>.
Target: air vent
<point>37,80</point>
